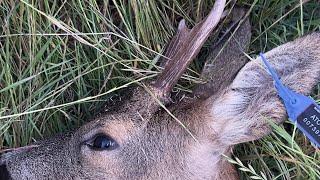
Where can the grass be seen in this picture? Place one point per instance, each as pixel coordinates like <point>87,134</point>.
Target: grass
<point>61,60</point>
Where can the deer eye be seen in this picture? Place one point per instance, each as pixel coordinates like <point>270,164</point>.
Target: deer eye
<point>102,142</point>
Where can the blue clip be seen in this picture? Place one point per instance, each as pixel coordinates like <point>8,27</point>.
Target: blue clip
<point>296,105</point>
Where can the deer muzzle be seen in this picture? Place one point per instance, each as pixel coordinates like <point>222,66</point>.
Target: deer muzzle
<point>4,173</point>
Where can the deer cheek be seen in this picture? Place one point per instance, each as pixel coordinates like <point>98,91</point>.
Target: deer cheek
<point>105,161</point>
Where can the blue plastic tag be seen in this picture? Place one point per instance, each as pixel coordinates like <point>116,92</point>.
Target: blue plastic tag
<point>302,110</point>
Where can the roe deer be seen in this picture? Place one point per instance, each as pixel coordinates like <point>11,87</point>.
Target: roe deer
<point>142,140</point>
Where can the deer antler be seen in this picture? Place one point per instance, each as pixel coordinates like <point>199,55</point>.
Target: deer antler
<point>183,48</point>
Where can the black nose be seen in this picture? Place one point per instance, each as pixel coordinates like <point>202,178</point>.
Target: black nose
<point>4,174</point>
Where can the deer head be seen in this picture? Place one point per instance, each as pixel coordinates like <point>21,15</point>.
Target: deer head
<point>142,139</point>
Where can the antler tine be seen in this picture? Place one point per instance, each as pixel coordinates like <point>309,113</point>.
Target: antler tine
<point>183,48</point>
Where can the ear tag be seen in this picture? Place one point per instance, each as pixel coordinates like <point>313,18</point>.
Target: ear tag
<point>302,110</point>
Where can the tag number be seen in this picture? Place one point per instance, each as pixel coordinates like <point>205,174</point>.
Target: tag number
<point>309,120</point>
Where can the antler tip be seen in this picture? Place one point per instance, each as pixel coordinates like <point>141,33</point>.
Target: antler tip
<point>182,25</point>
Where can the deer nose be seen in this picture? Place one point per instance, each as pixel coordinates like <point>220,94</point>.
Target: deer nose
<point>4,173</point>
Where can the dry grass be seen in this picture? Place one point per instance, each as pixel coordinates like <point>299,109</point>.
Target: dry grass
<point>60,61</point>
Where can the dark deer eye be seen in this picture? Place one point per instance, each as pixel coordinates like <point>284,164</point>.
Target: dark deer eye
<point>102,142</point>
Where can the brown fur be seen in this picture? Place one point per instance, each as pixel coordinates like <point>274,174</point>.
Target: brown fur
<point>153,145</point>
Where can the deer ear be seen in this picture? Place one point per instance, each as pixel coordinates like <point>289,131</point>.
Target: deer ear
<point>240,112</point>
